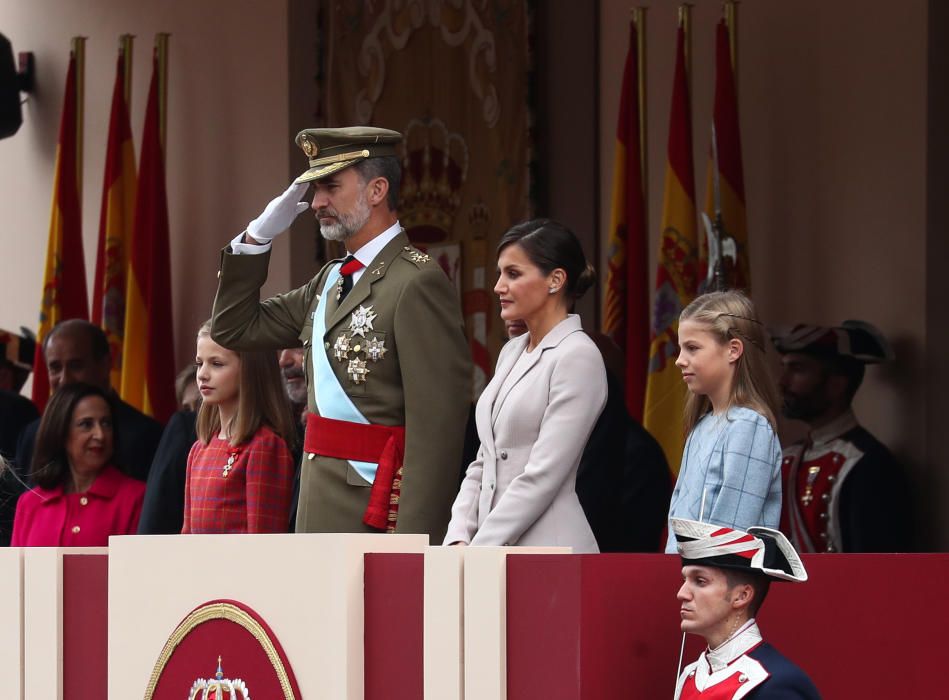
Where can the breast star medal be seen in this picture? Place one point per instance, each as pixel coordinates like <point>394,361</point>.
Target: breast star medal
<point>375,349</point>
<point>361,321</point>
<point>341,347</point>
<point>357,370</point>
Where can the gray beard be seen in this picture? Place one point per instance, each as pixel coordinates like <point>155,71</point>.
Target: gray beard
<point>347,224</point>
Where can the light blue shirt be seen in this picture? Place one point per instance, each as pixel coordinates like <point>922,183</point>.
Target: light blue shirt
<point>734,459</point>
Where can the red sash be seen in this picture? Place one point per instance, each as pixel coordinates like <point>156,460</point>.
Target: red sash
<point>359,442</point>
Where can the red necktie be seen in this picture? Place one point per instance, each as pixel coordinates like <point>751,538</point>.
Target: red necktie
<point>350,265</point>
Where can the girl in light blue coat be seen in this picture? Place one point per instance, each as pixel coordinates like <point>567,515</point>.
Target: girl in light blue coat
<point>731,465</point>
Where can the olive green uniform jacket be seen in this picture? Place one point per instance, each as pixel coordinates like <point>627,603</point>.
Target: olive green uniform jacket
<point>422,381</point>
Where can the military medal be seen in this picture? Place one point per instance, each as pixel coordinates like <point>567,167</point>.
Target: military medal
<point>361,321</point>
<point>339,288</point>
<point>341,347</point>
<point>812,474</point>
<point>375,349</point>
<point>357,370</point>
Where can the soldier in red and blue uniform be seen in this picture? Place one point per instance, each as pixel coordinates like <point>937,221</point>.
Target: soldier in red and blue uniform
<point>840,479</point>
<point>726,575</point>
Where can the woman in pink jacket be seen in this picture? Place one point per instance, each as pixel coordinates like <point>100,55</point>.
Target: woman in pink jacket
<point>80,497</point>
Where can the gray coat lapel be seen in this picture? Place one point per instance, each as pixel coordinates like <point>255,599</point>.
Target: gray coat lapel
<point>486,402</point>
<point>569,325</point>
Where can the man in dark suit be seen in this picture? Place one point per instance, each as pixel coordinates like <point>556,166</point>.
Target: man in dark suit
<point>77,351</point>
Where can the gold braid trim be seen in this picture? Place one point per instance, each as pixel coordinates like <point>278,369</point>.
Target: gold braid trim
<point>220,611</point>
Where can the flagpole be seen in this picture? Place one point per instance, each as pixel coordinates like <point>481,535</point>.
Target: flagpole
<point>731,21</point>
<point>125,49</point>
<point>161,48</point>
<point>79,53</point>
<point>685,21</point>
<point>639,19</point>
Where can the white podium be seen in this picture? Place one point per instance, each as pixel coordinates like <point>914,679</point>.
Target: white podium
<point>307,587</point>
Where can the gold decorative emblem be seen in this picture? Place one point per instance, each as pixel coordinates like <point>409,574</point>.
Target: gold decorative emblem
<point>361,321</point>
<point>375,349</point>
<point>219,687</point>
<point>357,370</point>
<point>378,269</point>
<point>341,347</point>
<point>417,256</point>
<point>310,148</point>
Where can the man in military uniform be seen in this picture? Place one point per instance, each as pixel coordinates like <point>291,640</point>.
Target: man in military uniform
<point>840,480</point>
<point>387,364</point>
<point>726,575</point>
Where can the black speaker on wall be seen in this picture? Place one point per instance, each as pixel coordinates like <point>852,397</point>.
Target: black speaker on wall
<point>13,81</point>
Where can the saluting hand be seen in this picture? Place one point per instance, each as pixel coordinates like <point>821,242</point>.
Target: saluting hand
<point>278,215</point>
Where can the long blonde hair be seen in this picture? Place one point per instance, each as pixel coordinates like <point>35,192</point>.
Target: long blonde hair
<point>261,401</point>
<point>731,315</point>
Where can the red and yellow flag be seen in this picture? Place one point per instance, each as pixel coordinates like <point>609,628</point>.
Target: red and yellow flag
<point>148,367</point>
<point>626,303</point>
<point>115,225</point>
<point>64,280</point>
<point>731,179</point>
<point>676,277</point>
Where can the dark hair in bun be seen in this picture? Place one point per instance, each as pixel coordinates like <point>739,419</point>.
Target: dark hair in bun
<point>549,245</point>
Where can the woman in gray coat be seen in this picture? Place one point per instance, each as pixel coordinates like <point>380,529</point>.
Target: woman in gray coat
<point>536,414</point>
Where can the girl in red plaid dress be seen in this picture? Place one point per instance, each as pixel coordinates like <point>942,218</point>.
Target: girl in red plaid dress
<point>240,471</point>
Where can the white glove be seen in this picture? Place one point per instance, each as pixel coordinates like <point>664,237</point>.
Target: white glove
<point>279,214</point>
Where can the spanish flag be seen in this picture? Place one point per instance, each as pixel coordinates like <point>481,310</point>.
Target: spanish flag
<point>148,366</point>
<point>64,281</point>
<point>115,225</point>
<point>626,306</point>
<point>676,277</point>
<point>727,151</point>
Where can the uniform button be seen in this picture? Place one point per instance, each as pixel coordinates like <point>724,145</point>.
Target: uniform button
<point>823,535</point>
<point>75,529</point>
<point>310,455</point>
<point>832,478</point>
<point>824,516</point>
<point>825,497</point>
<point>326,346</point>
<point>83,501</point>
<point>503,454</point>
<point>742,678</point>
<point>491,486</point>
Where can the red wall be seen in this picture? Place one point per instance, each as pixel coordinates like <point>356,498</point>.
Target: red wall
<point>606,626</point>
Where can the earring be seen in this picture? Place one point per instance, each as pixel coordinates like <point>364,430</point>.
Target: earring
<point>552,290</point>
